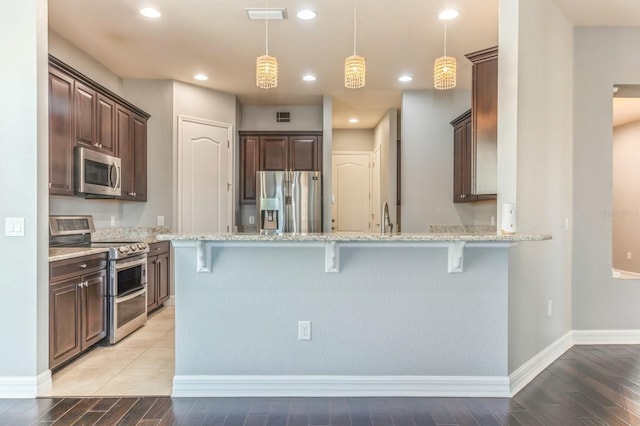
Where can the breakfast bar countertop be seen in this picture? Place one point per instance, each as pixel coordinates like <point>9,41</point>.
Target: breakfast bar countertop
<point>345,237</point>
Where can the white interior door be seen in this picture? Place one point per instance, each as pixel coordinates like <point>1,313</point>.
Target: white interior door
<point>350,180</point>
<point>204,176</point>
<point>376,207</point>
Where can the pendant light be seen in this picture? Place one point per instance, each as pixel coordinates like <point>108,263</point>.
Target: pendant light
<point>354,66</point>
<point>444,68</point>
<point>266,66</point>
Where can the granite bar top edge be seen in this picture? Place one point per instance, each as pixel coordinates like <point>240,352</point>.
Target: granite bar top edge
<point>426,237</point>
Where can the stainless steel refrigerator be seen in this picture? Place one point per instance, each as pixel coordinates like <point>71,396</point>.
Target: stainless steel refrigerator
<point>289,202</point>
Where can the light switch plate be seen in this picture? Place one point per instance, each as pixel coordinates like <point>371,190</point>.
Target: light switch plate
<point>14,227</point>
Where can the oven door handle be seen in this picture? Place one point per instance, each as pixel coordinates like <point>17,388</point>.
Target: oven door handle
<point>130,296</point>
<point>136,262</point>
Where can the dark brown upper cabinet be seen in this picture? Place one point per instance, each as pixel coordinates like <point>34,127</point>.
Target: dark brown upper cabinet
<point>476,133</point>
<point>276,151</point>
<point>61,141</point>
<point>84,113</point>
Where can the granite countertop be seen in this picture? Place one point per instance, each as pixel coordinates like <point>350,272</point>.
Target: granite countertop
<point>426,237</point>
<point>62,253</point>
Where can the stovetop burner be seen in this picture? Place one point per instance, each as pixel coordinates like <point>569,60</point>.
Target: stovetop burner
<point>75,231</point>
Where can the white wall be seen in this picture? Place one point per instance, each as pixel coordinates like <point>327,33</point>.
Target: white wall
<point>535,168</point>
<point>24,175</point>
<point>427,162</point>
<point>353,140</point>
<point>601,59</point>
<point>263,118</point>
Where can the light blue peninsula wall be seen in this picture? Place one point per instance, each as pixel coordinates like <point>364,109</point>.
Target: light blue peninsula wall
<point>392,321</point>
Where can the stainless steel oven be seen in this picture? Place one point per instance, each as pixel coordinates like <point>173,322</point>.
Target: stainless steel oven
<point>127,292</point>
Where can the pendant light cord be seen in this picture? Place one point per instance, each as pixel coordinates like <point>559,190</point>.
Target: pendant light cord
<point>445,38</point>
<point>266,31</point>
<point>354,27</point>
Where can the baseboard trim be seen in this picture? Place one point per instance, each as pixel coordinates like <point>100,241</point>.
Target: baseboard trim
<point>171,301</point>
<point>534,366</point>
<point>25,386</point>
<point>606,337</point>
<point>341,386</point>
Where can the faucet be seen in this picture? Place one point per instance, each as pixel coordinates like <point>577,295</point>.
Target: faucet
<point>386,220</point>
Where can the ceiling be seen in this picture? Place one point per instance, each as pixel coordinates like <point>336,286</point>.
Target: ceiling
<point>215,37</point>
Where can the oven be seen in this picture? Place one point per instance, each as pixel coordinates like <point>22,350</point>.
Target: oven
<point>127,296</point>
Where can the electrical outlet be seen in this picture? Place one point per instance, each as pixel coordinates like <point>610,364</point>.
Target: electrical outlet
<point>550,308</point>
<point>252,220</point>
<point>566,223</point>
<point>628,255</point>
<point>304,330</point>
<point>113,221</point>
<point>493,221</point>
<point>160,220</point>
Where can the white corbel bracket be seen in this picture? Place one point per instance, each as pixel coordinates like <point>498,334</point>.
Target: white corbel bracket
<point>332,257</point>
<point>456,256</point>
<point>203,257</point>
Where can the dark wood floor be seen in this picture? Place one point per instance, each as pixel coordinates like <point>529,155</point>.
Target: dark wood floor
<point>588,385</point>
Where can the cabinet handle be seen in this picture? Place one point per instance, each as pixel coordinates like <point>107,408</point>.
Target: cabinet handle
<point>131,194</point>
<point>159,261</point>
<point>100,145</point>
<point>463,196</point>
<point>83,266</point>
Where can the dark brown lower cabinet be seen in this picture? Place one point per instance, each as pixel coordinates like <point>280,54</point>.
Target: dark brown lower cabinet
<point>158,275</point>
<point>77,309</point>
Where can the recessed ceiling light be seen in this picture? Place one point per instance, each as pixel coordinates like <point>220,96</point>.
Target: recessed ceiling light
<point>353,120</point>
<point>309,77</point>
<point>307,14</point>
<point>150,12</point>
<point>201,77</point>
<point>405,78</point>
<point>448,14</point>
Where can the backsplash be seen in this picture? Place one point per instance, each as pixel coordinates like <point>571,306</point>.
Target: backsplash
<point>128,233</point>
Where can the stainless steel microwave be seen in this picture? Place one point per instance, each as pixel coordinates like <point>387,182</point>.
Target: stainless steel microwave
<point>97,174</point>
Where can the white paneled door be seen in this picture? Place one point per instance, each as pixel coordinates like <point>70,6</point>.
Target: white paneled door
<point>350,180</point>
<point>204,176</point>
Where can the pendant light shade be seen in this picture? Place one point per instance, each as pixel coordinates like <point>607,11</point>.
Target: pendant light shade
<point>444,73</point>
<point>266,66</point>
<point>266,72</point>
<point>444,69</point>
<point>355,67</point>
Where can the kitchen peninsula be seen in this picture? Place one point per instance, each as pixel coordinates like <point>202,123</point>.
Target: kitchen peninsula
<point>395,314</point>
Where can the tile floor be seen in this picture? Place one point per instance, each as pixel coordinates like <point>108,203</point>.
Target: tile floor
<point>141,364</point>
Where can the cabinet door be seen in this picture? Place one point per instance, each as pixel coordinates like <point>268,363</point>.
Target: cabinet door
<point>123,138</point>
<point>462,158</point>
<point>64,321</point>
<point>60,133</point>
<point>274,153</point>
<point>139,158</point>
<point>85,115</point>
<point>106,125</point>
<point>304,153</point>
<point>249,156</point>
<point>152,287</point>
<point>162,277</point>
<point>94,308</point>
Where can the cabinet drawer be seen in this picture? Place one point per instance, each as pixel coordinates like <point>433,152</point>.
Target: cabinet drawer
<point>78,266</point>
<point>157,248</point>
